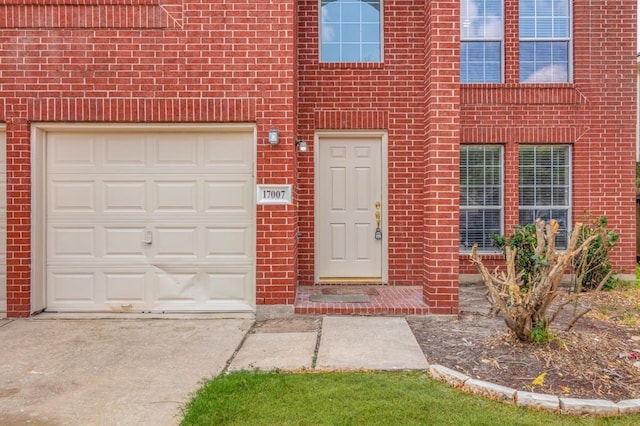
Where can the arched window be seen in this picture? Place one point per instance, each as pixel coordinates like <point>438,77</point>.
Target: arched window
<point>350,30</point>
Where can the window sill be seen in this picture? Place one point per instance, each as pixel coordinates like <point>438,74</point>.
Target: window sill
<point>352,65</point>
<point>521,93</point>
<point>519,85</point>
<point>483,254</point>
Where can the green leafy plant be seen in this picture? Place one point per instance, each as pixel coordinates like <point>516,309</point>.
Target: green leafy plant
<point>524,242</point>
<point>592,267</point>
<point>540,332</point>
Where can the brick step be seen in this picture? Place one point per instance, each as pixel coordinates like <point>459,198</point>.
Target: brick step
<point>383,300</point>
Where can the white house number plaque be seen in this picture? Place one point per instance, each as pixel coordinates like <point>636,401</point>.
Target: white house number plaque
<point>274,194</point>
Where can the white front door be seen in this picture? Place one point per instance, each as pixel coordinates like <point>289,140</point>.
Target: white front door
<point>150,220</point>
<point>350,208</point>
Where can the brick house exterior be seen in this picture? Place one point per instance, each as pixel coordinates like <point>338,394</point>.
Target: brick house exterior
<point>151,64</point>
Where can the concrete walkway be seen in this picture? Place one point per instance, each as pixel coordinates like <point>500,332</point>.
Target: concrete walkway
<point>342,343</point>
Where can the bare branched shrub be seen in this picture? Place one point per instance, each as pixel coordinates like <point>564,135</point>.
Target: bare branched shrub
<point>524,298</point>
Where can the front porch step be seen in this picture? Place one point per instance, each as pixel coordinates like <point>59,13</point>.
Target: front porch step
<point>383,300</point>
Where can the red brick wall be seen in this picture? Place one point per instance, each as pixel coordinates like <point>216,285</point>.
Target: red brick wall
<point>442,147</point>
<point>203,61</point>
<point>151,61</point>
<point>595,115</point>
<point>387,96</point>
<point>414,97</point>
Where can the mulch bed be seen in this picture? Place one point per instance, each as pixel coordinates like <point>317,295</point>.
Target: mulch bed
<point>599,358</point>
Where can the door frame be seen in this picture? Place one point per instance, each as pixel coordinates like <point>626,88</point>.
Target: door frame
<point>39,133</point>
<point>384,173</point>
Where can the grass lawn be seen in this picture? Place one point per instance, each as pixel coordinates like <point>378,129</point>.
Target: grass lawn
<point>250,398</point>
<point>637,274</point>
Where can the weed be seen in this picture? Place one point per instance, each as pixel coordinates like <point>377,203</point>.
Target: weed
<point>629,318</point>
<point>540,333</point>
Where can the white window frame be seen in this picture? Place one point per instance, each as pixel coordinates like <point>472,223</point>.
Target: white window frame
<point>350,62</point>
<point>568,40</point>
<point>500,39</point>
<point>500,208</point>
<point>569,206</point>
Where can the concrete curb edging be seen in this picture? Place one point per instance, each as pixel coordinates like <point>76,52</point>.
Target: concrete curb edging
<point>573,406</point>
<point>489,390</point>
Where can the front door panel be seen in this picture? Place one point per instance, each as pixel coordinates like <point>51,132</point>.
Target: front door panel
<point>350,208</point>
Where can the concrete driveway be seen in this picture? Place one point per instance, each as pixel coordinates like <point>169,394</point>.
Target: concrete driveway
<point>109,371</point>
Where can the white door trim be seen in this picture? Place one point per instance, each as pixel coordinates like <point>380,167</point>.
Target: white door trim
<point>353,134</point>
<point>39,133</point>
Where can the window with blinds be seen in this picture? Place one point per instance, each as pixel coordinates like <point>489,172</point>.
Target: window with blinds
<point>481,199</point>
<point>545,189</point>
<point>481,33</point>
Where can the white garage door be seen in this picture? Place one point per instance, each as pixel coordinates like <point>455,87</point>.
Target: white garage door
<point>3,222</point>
<point>150,221</point>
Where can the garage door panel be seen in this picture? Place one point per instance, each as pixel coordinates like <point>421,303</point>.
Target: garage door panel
<point>126,151</point>
<point>150,221</point>
<point>124,196</point>
<point>229,285</point>
<point>175,196</point>
<point>171,289</point>
<point>233,196</point>
<point>176,150</point>
<point>229,153</point>
<point>125,242</point>
<point>225,243</point>
<point>95,242</point>
<point>202,288</point>
<point>75,287</point>
<point>122,288</point>
<point>72,196</point>
<point>176,242</point>
<point>220,152</point>
<point>178,287</point>
<point>72,242</point>
<point>72,150</point>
